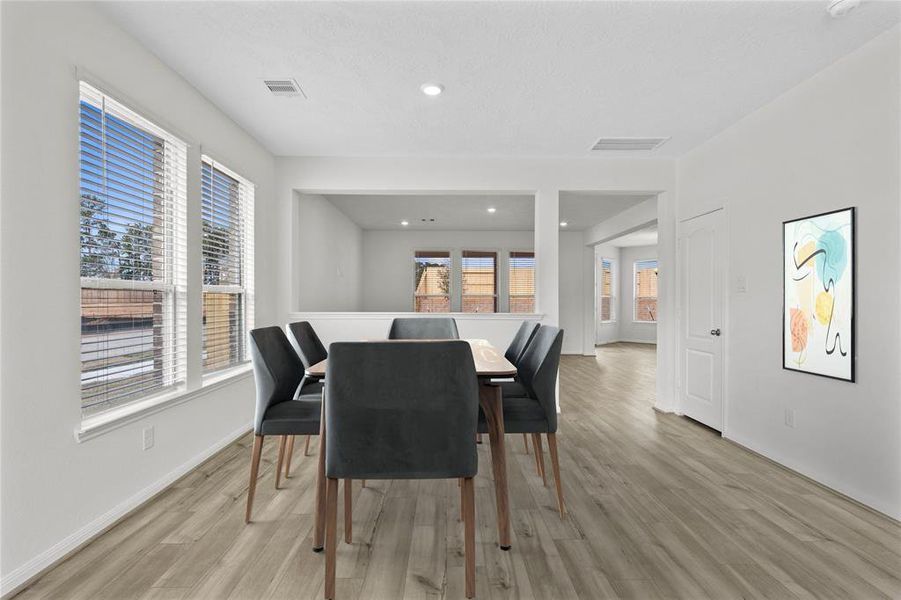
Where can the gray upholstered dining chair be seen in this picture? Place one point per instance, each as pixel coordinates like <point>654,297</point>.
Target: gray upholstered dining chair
<point>514,353</point>
<point>311,350</point>
<point>279,411</point>
<point>426,328</point>
<point>534,409</point>
<point>401,411</point>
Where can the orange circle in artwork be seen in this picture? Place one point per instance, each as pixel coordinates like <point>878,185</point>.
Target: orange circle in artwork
<point>799,330</point>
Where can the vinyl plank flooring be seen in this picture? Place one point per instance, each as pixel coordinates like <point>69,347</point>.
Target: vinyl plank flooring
<point>658,507</point>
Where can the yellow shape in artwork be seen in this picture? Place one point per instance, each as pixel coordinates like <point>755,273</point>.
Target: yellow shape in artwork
<point>824,307</point>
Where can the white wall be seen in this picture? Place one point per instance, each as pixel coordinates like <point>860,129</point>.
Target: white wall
<point>629,329</point>
<point>328,252</point>
<point>606,333</point>
<point>388,262</point>
<point>829,143</point>
<point>572,290</point>
<point>57,492</point>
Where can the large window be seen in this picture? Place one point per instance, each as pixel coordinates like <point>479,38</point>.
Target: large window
<point>227,215</point>
<point>133,275</point>
<point>431,281</point>
<point>522,282</point>
<point>607,292</point>
<point>646,290</point>
<point>479,281</point>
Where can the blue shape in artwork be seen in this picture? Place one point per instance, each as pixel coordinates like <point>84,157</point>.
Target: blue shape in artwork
<point>833,259</point>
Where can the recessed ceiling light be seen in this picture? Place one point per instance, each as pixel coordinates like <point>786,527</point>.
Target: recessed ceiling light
<point>431,89</point>
<point>563,223</point>
<point>404,223</point>
<point>492,210</point>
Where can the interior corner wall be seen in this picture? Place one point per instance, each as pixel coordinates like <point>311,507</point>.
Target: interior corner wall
<point>829,143</point>
<point>572,291</point>
<point>55,492</point>
<point>327,269</point>
<point>631,330</point>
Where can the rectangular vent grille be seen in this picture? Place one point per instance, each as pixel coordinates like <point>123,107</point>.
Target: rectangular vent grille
<point>629,143</point>
<point>284,87</point>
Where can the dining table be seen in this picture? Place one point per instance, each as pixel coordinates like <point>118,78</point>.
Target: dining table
<point>490,364</point>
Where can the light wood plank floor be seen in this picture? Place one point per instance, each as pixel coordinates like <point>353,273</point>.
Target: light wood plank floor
<point>660,507</point>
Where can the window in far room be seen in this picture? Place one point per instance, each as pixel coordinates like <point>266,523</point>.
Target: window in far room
<point>479,281</point>
<point>646,291</point>
<point>607,304</point>
<point>522,282</point>
<point>431,281</point>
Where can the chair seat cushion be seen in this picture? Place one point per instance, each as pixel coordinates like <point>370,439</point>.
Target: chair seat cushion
<point>521,415</point>
<point>292,417</point>
<point>312,388</point>
<point>513,389</point>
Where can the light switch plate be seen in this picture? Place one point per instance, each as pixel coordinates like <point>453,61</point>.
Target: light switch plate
<point>741,284</point>
<point>147,438</point>
<point>790,417</point>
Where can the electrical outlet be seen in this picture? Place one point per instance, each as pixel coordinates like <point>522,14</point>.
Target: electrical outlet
<point>148,437</point>
<point>790,417</point>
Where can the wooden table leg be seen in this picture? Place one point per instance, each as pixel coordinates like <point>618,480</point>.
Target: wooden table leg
<point>492,405</point>
<point>319,529</point>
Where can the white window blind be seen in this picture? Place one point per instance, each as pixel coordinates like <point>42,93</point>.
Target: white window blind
<point>606,292</point>
<point>133,272</point>
<point>646,290</point>
<point>479,281</point>
<point>431,281</point>
<point>522,282</point>
<point>227,215</point>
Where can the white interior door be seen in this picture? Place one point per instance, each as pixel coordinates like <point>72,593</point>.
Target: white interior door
<point>701,318</point>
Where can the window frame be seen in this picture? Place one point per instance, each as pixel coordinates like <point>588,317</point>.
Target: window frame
<point>497,254</point>
<point>450,280</point>
<point>509,252</point>
<point>172,253</point>
<point>246,291</point>
<point>613,283</point>
<point>635,296</point>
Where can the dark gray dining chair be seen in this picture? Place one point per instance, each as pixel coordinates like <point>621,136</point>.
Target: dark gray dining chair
<point>514,353</point>
<point>535,410</point>
<point>279,411</point>
<point>311,351</point>
<point>426,328</point>
<point>401,411</point>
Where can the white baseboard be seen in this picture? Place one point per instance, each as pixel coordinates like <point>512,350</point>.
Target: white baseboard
<point>623,340</point>
<point>14,581</point>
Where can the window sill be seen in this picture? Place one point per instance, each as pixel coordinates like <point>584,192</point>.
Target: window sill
<point>98,425</point>
<point>644,322</point>
<point>608,322</point>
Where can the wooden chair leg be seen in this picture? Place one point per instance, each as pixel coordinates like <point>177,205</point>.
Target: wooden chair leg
<point>525,442</point>
<point>363,482</point>
<point>462,499</point>
<point>282,442</point>
<point>469,536</point>
<point>254,471</point>
<point>555,465</point>
<point>478,438</point>
<point>331,536</point>
<point>306,447</point>
<point>348,511</point>
<point>539,456</point>
<point>288,452</point>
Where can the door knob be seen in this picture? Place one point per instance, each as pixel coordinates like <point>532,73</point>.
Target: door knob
<point>715,332</point>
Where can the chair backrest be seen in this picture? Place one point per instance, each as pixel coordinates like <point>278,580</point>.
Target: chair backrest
<point>276,368</point>
<point>537,370</point>
<point>522,338</point>
<point>306,343</point>
<point>401,410</point>
<point>427,328</point>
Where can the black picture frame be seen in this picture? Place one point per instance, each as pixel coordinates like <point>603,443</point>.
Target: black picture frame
<point>852,344</point>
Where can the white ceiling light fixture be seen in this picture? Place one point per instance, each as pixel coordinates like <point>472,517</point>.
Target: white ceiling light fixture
<point>431,89</point>
<point>563,223</point>
<point>492,210</point>
<point>404,223</point>
<point>839,8</point>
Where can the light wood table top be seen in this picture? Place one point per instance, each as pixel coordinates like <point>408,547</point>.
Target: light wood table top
<point>489,361</point>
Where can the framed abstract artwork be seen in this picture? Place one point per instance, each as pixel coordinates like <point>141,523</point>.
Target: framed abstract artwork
<point>818,294</point>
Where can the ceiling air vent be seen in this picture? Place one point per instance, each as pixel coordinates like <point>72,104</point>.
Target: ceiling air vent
<point>284,87</point>
<point>628,143</point>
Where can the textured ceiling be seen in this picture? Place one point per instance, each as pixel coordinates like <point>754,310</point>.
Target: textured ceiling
<point>522,78</point>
